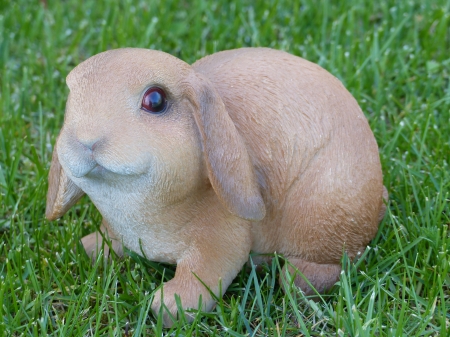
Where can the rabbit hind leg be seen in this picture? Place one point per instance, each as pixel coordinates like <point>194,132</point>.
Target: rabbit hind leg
<point>321,276</point>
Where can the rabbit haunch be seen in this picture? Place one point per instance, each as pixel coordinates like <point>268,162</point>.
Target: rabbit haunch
<point>258,150</point>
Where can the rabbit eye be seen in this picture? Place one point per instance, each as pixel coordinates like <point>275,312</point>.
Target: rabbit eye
<point>154,100</point>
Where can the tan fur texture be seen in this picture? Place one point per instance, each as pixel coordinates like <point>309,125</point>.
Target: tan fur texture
<point>258,151</point>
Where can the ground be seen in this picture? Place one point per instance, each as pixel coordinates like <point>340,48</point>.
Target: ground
<point>393,56</point>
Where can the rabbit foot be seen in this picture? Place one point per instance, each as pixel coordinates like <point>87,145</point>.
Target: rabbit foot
<point>94,243</point>
<point>191,297</point>
<point>321,276</point>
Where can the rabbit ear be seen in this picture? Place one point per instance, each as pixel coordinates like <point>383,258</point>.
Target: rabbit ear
<point>230,169</point>
<point>62,192</point>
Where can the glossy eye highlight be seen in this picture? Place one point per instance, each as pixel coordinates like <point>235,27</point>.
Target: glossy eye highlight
<point>154,100</point>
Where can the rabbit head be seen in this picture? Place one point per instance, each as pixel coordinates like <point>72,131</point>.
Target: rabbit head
<point>142,125</point>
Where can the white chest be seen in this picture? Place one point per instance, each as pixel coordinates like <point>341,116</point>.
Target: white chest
<point>135,223</point>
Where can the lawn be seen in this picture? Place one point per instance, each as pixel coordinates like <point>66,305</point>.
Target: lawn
<point>393,56</point>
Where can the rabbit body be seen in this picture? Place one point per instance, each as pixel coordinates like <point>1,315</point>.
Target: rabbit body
<point>312,149</point>
<point>258,150</point>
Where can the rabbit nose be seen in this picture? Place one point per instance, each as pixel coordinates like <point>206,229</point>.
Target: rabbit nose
<point>89,143</point>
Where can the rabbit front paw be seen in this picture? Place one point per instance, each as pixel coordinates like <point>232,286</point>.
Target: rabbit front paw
<point>95,242</point>
<point>189,295</point>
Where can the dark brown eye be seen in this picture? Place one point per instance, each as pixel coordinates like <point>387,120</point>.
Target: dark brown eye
<point>154,100</point>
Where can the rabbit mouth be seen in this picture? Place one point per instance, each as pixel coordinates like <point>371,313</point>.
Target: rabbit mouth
<point>97,171</point>
<point>82,171</point>
<point>83,163</point>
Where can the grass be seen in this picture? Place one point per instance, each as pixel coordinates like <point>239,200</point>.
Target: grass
<point>393,56</point>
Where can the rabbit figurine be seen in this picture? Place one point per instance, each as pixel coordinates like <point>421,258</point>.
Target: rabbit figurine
<point>246,150</point>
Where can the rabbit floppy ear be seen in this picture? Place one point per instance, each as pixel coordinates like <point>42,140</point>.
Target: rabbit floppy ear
<point>62,192</point>
<point>230,169</point>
